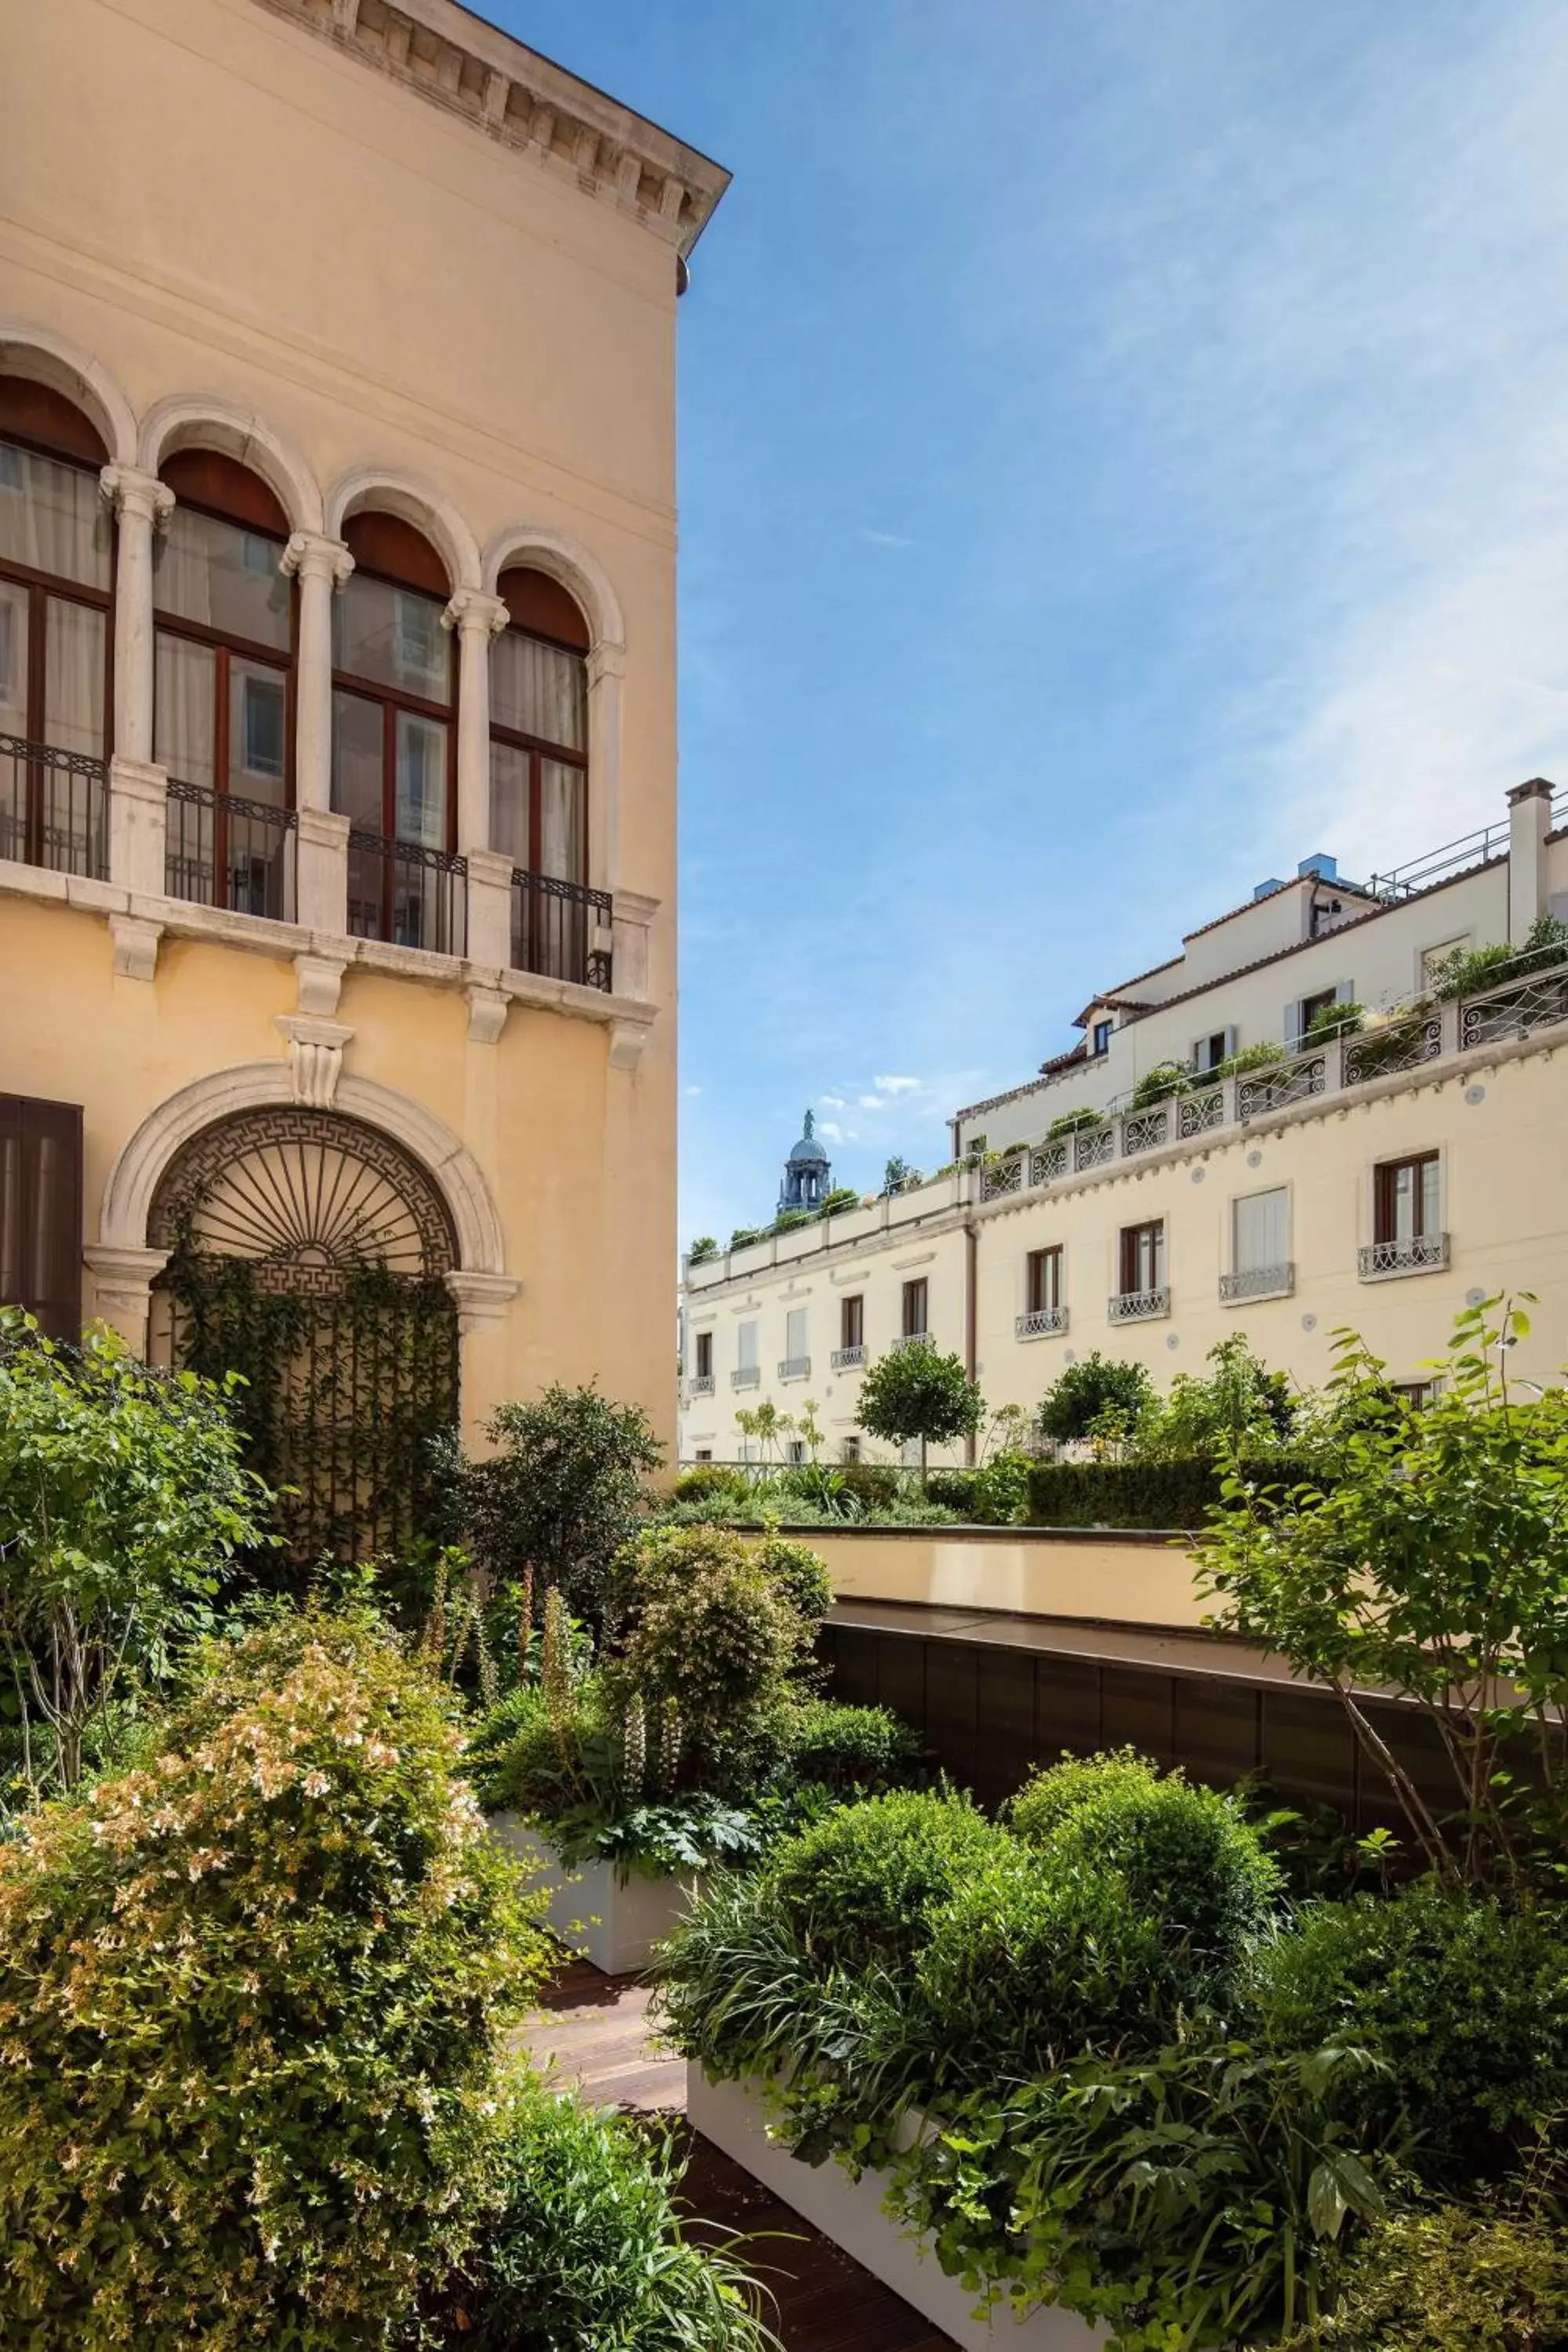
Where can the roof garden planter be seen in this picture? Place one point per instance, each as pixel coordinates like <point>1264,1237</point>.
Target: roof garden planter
<point>612,1917</point>
<point>849,2214</point>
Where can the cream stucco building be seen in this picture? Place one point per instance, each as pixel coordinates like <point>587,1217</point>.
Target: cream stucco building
<point>337,690</point>
<point>1377,1180</point>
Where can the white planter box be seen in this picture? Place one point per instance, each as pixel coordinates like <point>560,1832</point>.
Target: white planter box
<point>614,1922</point>
<point>849,2212</point>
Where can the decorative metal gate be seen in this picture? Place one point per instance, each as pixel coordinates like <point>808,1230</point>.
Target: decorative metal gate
<point>308,1253</point>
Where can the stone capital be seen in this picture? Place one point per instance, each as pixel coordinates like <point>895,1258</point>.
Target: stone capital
<point>123,1276</point>
<point>606,658</point>
<point>473,613</point>
<point>482,1299</point>
<point>634,907</point>
<point>323,829</point>
<point>491,868</point>
<point>132,493</point>
<point>138,779</point>
<point>315,558</point>
<point>315,1057</point>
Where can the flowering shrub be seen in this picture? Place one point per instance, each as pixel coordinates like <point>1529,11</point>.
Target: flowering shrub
<point>249,2003</point>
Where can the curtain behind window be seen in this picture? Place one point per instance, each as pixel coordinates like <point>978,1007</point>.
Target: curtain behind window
<point>1261,1235</point>
<point>52,518</point>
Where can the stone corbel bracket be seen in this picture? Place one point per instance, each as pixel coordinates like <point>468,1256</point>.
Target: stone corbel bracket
<point>315,1057</point>
<point>629,1035</point>
<point>135,946</point>
<point>482,1299</point>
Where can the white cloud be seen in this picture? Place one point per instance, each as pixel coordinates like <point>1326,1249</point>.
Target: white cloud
<point>894,1086</point>
<point>693,1090</point>
<point>831,1102</point>
<point>883,538</point>
<point>870,1102</point>
<point>833,1134</point>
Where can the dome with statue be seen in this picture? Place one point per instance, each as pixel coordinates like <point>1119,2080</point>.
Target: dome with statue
<point>806,1172</point>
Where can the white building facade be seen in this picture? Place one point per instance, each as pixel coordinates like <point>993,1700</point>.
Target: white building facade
<point>1377,1180</point>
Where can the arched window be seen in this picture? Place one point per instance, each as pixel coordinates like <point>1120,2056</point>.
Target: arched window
<point>223,692</point>
<point>56,577</point>
<point>538,772</point>
<point>394,744</point>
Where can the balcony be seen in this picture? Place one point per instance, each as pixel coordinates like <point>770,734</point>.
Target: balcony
<point>54,808</point>
<point>1040,1323</point>
<point>795,1367</point>
<point>914,1339</point>
<point>224,851</point>
<point>699,1385</point>
<point>849,1359</point>
<point>1257,1282</point>
<point>1414,1253</point>
<point>407,895</point>
<point>1138,1305</point>
<point>555,929</point>
<point>746,1376</point>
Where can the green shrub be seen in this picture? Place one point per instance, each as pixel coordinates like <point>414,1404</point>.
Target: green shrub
<point>1469,970</point>
<point>862,1885</point>
<point>801,1574</point>
<point>871,1484</point>
<point>1002,1488</point>
<point>251,1997</point>
<point>1250,1057</point>
<point>1029,1960</point>
<point>847,1748</point>
<point>1191,1864</point>
<point>709,1479</point>
<point>703,1250</point>
<point>1177,1493</point>
<point>1069,1121</point>
<point>1334,1021</point>
<point>1158,1084</point>
<point>1465,2006</point>
<point>1089,1390</point>
<point>589,2251</point>
<point>1455,2279</point>
<point>953,1489</point>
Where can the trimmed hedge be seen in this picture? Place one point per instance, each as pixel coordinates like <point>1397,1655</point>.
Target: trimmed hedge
<point>1144,1494</point>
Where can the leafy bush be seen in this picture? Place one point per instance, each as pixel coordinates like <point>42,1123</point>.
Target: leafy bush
<point>1158,1084</point>
<point>1090,1390</point>
<point>1454,2280</point>
<point>801,1574</point>
<point>1469,970</point>
<point>863,1884</point>
<point>251,1996</point>
<point>1069,1121</point>
<point>1175,1495</point>
<point>845,1748</point>
<point>744,1236</point>
<point>1188,1859</point>
<point>122,1502</point>
<point>1465,2006</point>
<point>841,1198</point>
<point>562,1493</point>
<point>1345,1020</point>
<point>589,2248</point>
<point>953,1489</point>
<point>1238,1407</point>
<point>703,1249</point>
<point>871,1484</point>
<point>709,1479</point>
<point>1002,1488</point>
<point>1250,1057</point>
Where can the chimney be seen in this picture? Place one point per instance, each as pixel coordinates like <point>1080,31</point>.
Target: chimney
<point>1528,823</point>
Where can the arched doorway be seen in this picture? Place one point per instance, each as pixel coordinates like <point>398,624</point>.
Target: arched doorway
<point>308,1252</point>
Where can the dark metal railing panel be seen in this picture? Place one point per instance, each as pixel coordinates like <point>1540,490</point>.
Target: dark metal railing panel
<point>1138,1305</point>
<point>553,928</point>
<point>223,850</point>
<point>405,894</point>
<point>54,808</point>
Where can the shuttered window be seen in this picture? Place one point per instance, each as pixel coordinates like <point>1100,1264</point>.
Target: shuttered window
<point>40,1212</point>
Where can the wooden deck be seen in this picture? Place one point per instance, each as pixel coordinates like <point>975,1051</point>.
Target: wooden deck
<point>596,2029</point>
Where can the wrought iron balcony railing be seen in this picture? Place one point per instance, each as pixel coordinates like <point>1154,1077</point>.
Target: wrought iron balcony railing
<point>1257,1282</point>
<point>849,1359</point>
<point>412,896</point>
<point>54,808</point>
<point>555,927</point>
<point>746,1376</point>
<point>795,1367</point>
<point>1138,1305</point>
<point>701,1384</point>
<point>1416,1254</point>
<point>224,851</point>
<point>914,1339</point>
<point>1040,1322</point>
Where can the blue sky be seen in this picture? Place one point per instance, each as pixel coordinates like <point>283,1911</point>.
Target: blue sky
<point>1124,448</point>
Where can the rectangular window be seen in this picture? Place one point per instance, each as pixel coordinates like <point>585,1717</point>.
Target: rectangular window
<point>421,780</point>
<point>392,637</point>
<point>849,1449</point>
<point>59,523</point>
<point>1143,1258</point>
<point>1310,1007</point>
<point>795,1344</point>
<point>705,1354</point>
<point>705,1454</point>
<point>1042,1280</point>
<point>916,1294</point>
<point>257,734</point>
<point>1103,1030</point>
<point>1419,1394</point>
<point>1433,958</point>
<point>40,1213</point>
<point>222,578</point>
<point>1209,1051</point>
<point>852,1321</point>
<point>1260,1233</point>
<point>746,1347</point>
<point>794,1451</point>
<point>1405,1198</point>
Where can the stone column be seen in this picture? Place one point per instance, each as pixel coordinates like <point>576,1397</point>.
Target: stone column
<point>1528,823</point>
<point>142,504</point>
<point>607,671</point>
<point>477,618</point>
<point>320,565</point>
<point>123,1279</point>
<point>490,908</point>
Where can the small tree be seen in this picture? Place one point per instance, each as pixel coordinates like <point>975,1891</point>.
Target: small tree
<point>1089,1393</point>
<point>562,1493</point>
<point>1434,1568</point>
<point>897,1174</point>
<point>916,1393</point>
<point>1239,1407</point>
<point>702,1249</point>
<point>122,1501</point>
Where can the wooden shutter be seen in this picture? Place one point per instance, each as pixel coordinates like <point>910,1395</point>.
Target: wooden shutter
<point>40,1212</point>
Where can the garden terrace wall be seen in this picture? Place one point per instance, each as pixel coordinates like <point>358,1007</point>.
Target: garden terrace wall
<point>1129,1577</point>
<point>995,1693</point>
